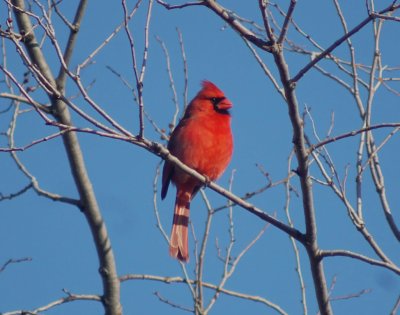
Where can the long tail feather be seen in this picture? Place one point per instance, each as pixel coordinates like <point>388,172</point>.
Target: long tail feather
<point>178,246</point>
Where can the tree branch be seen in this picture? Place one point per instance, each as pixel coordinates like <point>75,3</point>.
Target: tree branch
<point>19,98</point>
<point>352,134</point>
<point>287,21</point>
<point>349,254</point>
<point>111,298</point>
<point>69,298</point>
<point>204,284</point>
<point>230,18</point>
<point>338,42</point>
<point>14,261</point>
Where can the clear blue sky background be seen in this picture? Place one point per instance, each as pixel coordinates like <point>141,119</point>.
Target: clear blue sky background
<point>57,237</point>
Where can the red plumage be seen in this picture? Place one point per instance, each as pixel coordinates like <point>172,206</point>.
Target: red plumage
<point>203,141</point>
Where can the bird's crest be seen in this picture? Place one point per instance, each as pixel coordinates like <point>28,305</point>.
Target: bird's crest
<point>209,87</point>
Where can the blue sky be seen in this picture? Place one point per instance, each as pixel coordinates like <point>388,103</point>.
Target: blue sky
<point>57,238</point>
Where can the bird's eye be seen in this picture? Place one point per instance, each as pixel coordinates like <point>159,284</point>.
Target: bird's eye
<point>216,100</point>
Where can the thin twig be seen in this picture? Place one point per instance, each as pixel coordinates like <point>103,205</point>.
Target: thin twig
<point>185,70</point>
<point>179,6</point>
<point>338,42</point>
<point>171,83</point>
<point>208,285</point>
<point>16,194</point>
<point>264,67</point>
<point>14,261</point>
<point>170,303</point>
<point>346,253</point>
<point>70,298</point>
<point>91,56</point>
<point>294,244</point>
<point>139,75</point>
<point>396,307</point>
<point>351,296</point>
<point>352,134</point>
<point>286,23</point>
<point>22,99</point>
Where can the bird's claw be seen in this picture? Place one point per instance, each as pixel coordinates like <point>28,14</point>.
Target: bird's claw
<point>207,181</point>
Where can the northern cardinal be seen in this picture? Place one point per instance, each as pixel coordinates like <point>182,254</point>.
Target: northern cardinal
<point>203,141</point>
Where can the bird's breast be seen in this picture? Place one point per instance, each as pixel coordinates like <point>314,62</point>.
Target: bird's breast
<point>205,146</point>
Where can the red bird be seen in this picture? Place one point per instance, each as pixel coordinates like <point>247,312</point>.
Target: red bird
<point>203,141</point>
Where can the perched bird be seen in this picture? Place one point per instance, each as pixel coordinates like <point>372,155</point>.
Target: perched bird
<point>203,141</point>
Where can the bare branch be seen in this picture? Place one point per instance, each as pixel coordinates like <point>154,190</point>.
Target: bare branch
<point>22,99</point>
<point>179,6</point>
<point>185,70</point>
<point>265,69</point>
<point>263,5</point>
<point>379,147</point>
<point>201,256</point>
<point>338,42</point>
<point>15,194</point>
<point>14,261</point>
<point>352,134</point>
<point>170,303</point>
<point>171,83</point>
<point>375,168</point>
<point>351,296</point>
<point>231,263</point>
<point>294,244</point>
<point>33,181</point>
<point>286,23</point>
<point>35,142</point>
<point>345,253</point>
<point>396,307</point>
<point>91,211</point>
<point>73,36</point>
<point>62,16</point>
<point>70,298</point>
<point>386,17</point>
<point>354,216</point>
<point>89,59</point>
<point>139,75</point>
<point>231,20</point>
<point>211,286</point>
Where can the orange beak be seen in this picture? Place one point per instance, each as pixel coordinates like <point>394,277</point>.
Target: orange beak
<point>224,104</point>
